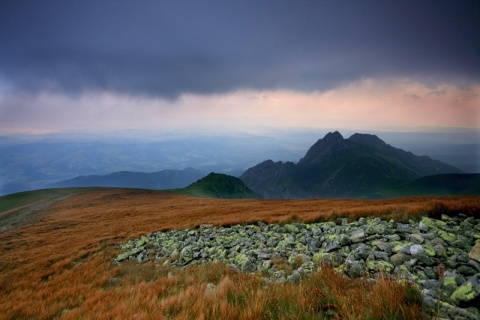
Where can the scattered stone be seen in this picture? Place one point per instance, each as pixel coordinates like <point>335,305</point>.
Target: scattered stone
<point>466,270</point>
<point>474,254</point>
<point>211,288</point>
<point>416,250</point>
<point>468,293</point>
<point>355,269</point>
<point>416,238</point>
<point>357,236</point>
<point>422,226</point>
<point>449,284</point>
<point>368,247</point>
<point>397,259</point>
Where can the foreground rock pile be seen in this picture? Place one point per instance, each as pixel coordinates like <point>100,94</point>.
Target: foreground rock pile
<point>367,247</point>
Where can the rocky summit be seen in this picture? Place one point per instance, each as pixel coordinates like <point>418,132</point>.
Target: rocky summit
<point>442,256</point>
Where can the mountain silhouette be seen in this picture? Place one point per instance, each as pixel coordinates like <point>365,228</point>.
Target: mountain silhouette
<point>360,166</point>
<point>165,179</point>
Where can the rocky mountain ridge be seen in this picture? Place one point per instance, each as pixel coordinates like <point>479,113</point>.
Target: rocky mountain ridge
<point>360,166</point>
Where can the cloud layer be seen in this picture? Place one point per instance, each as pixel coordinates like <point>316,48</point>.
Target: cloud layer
<point>170,49</point>
<point>366,104</point>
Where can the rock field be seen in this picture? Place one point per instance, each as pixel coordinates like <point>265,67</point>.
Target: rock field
<point>363,248</point>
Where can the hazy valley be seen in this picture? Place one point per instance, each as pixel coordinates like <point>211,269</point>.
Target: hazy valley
<point>155,161</point>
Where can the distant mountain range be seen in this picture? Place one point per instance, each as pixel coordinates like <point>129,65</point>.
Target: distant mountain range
<point>165,179</point>
<point>31,162</point>
<point>360,166</point>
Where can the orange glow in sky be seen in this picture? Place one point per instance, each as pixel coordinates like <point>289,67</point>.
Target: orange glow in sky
<point>366,104</point>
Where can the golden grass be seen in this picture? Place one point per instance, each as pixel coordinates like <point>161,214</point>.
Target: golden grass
<point>60,265</point>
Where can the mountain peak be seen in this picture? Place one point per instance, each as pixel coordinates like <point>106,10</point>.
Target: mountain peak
<point>367,139</point>
<point>333,136</point>
<point>360,166</point>
<point>331,143</point>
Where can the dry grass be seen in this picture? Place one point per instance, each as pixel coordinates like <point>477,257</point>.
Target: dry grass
<point>60,266</point>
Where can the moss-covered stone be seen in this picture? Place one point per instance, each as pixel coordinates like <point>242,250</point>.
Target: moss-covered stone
<point>429,250</point>
<point>291,228</point>
<point>332,237</point>
<point>464,293</point>
<point>447,236</point>
<point>403,247</point>
<point>412,251</point>
<point>433,223</point>
<point>379,266</point>
<point>329,225</point>
<point>416,238</point>
<point>122,257</point>
<point>240,259</point>
<point>449,284</point>
<point>358,236</point>
<point>318,257</point>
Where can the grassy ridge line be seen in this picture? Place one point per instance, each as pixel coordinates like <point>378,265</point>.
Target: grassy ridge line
<point>24,199</point>
<point>216,185</point>
<point>60,266</point>
<point>21,199</point>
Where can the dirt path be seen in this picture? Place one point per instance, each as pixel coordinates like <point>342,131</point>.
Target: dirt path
<point>29,213</point>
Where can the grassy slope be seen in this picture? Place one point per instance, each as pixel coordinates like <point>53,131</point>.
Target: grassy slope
<point>439,185</point>
<point>24,198</point>
<point>220,186</point>
<point>60,266</point>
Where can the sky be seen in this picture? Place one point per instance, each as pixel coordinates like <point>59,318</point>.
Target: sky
<point>238,65</point>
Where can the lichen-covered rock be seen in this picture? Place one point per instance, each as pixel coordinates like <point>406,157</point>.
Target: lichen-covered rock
<point>449,284</point>
<point>404,228</point>
<point>416,238</point>
<point>423,227</point>
<point>361,252</point>
<point>447,236</point>
<point>379,266</point>
<point>355,269</point>
<point>433,223</point>
<point>367,247</point>
<point>397,259</point>
<point>291,228</point>
<point>122,257</point>
<point>402,247</point>
<point>429,250</point>
<point>358,236</point>
<point>468,293</point>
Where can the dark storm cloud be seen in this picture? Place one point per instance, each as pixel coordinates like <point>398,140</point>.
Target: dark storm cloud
<point>166,48</point>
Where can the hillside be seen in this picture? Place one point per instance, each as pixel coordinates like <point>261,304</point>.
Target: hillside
<point>216,185</point>
<point>440,185</point>
<point>60,263</point>
<point>165,179</point>
<point>360,166</point>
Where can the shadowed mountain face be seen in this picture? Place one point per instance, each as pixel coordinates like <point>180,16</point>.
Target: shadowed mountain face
<point>360,166</point>
<point>440,184</point>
